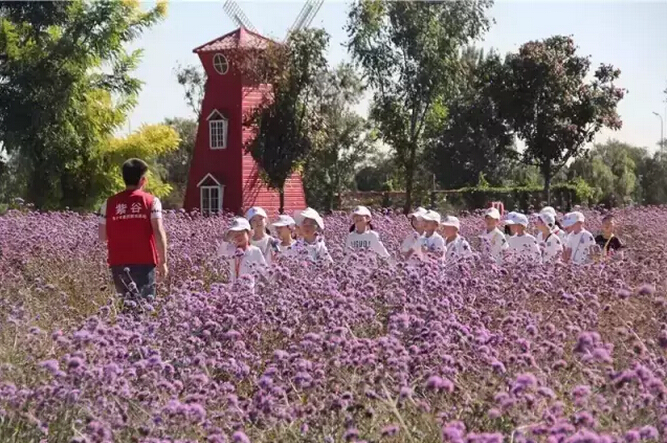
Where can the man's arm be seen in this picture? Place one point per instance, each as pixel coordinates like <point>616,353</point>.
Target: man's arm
<point>158,230</point>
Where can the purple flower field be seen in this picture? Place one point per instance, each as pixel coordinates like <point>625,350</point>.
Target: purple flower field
<point>362,351</point>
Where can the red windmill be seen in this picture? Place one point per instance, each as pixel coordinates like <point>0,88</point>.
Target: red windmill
<point>223,176</point>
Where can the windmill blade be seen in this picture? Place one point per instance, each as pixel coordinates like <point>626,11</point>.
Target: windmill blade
<point>305,16</point>
<point>234,12</point>
<point>311,14</point>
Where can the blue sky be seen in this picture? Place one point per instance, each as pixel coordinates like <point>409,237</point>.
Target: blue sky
<point>630,35</point>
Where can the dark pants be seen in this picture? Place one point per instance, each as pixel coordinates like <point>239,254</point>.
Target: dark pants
<point>136,280</point>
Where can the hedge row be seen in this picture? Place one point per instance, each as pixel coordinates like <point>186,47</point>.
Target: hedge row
<point>563,196</point>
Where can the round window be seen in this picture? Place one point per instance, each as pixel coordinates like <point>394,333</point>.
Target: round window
<point>220,64</point>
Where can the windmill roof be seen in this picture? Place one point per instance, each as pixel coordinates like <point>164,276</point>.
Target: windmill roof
<point>239,38</point>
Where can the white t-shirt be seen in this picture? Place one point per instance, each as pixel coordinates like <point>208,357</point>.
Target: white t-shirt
<point>156,210</point>
<point>525,246</point>
<point>551,248</point>
<point>411,242</point>
<point>265,244</point>
<point>458,248</point>
<point>317,251</point>
<point>367,240</point>
<point>434,244</point>
<point>494,243</point>
<point>580,246</point>
<point>562,235</point>
<point>251,262</point>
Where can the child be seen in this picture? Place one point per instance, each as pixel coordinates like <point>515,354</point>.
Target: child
<point>361,234</point>
<point>550,243</point>
<point>432,242</point>
<point>494,240</point>
<point>243,257</point>
<point>556,227</point>
<point>310,223</point>
<point>457,246</point>
<point>607,240</point>
<point>284,227</point>
<point>522,243</point>
<point>580,245</point>
<point>261,237</point>
<point>412,244</point>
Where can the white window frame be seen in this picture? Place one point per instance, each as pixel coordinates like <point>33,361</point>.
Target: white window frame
<point>215,65</point>
<point>215,119</point>
<point>219,186</point>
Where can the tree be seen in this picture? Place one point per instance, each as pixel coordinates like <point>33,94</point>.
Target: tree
<point>149,143</point>
<point>65,86</point>
<point>286,123</point>
<point>193,81</point>
<point>475,140</point>
<point>343,142</point>
<point>409,54</point>
<point>548,103</point>
<point>176,163</point>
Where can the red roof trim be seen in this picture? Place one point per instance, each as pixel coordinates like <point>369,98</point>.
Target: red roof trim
<point>239,36</point>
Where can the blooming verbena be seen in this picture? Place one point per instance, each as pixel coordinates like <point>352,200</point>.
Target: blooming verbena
<point>361,350</point>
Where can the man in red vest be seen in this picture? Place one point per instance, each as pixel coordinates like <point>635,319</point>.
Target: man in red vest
<point>131,224</point>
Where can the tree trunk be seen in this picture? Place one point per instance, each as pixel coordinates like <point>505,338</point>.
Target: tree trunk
<point>281,195</point>
<point>546,172</point>
<point>409,179</point>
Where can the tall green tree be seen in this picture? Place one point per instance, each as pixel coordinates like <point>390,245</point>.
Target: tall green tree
<point>409,53</point>
<point>476,139</point>
<point>549,103</point>
<point>287,123</point>
<point>344,141</point>
<point>193,81</point>
<point>66,85</point>
<point>176,164</point>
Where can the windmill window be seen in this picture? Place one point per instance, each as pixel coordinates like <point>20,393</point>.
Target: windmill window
<point>217,131</point>
<point>211,199</point>
<point>220,64</point>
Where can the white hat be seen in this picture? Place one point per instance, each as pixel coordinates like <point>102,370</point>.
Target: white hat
<point>572,218</point>
<point>239,224</point>
<point>493,213</point>
<point>547,218</point>
<point>431,216</point>
<point>284,220</point>
<point>362,210</point>
<point>255,210</point>
<point>419,212</point>
<point>452,221</point>
<point>515,218</point>
<point>548,210</point>
<point>311,214</point>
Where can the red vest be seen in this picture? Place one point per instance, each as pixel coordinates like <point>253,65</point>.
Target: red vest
<point>130,236</point>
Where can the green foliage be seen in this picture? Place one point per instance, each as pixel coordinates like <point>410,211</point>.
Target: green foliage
<point>475,139</point>
<point>286,125</point>
<point>193,81</point>
<point>343,142</point>
<point>610,169</point>
<point>176,164</point>
<point>378,174</point>
<point>65,87</point>
<point>544,95</point>
<point>149,143</point>
<point>409,54</point>
<point>522,198</point>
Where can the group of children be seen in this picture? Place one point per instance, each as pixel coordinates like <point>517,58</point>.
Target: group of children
<point>249,244</point>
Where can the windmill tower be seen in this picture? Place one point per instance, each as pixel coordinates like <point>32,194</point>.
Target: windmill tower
<point>223,176</point>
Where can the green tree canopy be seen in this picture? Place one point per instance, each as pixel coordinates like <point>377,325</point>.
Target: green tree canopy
<point>409,53</point>
<point>344,140</point>
<point>548,102</point>
<point>287,123</point>
<point>65,87</point>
